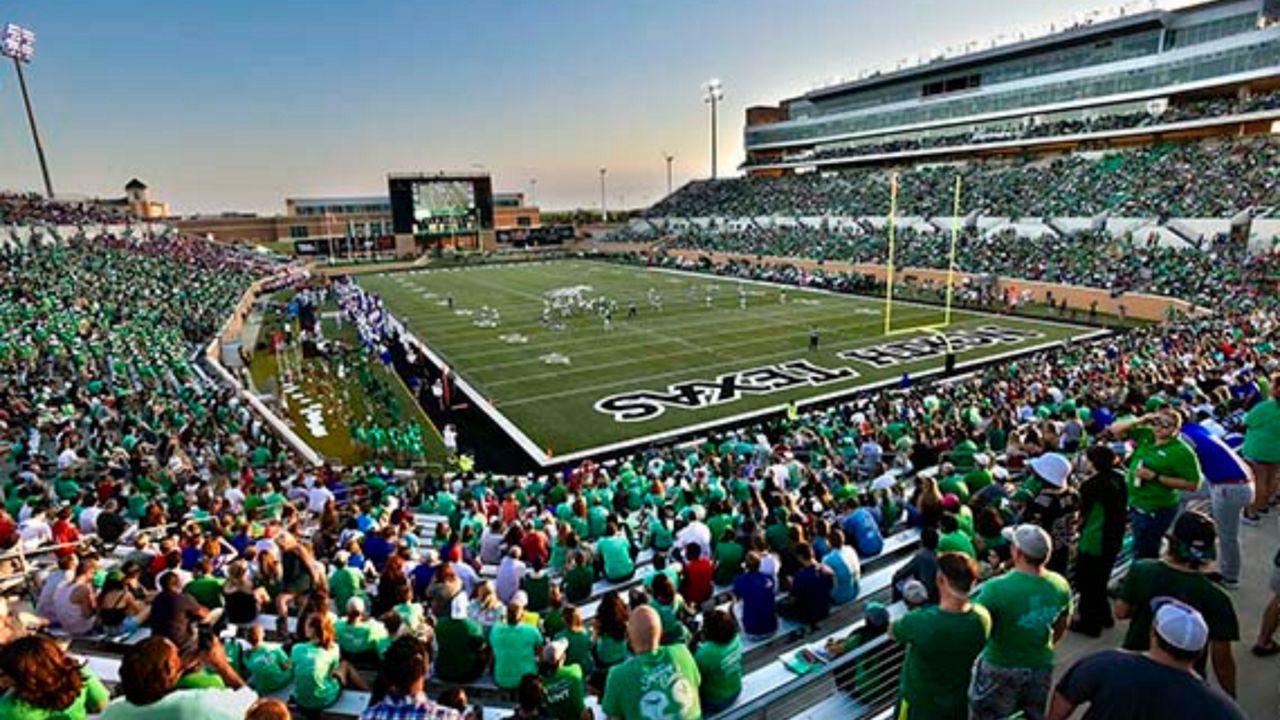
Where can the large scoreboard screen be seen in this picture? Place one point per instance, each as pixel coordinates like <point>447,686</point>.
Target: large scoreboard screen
<point>427,205</point>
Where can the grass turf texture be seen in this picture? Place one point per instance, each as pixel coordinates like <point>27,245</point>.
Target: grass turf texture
<point>554,405</point>
<point>343,401</point>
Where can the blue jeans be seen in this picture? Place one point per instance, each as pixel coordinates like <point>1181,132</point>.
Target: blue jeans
<point>1148,528</point>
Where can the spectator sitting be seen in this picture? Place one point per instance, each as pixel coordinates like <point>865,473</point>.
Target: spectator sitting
<point>562,684</point>
<point>657,675</point>
<point>464,654</point>
<point>845,569</point>
<point>810,600</point>
<point>757,592</point>
<point>267,663</point>
<point>697,576</point>
<point>319,673</point>
<point>149,675</point>
<point>358,635</point>
<point>400,692</point>
<point>719,658</point>
<point>515,646</point>
<point>45,682</point>
<point>609,635</point>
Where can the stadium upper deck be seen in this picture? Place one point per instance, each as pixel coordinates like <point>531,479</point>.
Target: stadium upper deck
<point>1149,65</point>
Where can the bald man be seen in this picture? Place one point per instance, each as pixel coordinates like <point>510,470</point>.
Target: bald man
<point>658,681</point>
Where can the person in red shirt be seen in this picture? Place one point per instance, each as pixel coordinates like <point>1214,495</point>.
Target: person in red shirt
<point>535,547</point>
<point>65,532</point>
<point>697,577</point>
<point>8,530</point>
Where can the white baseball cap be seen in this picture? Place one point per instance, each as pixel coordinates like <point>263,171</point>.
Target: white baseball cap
<point>1179,624</point>
<point>1052,468</point>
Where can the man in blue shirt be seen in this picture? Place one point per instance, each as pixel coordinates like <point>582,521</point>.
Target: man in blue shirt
<point>756,591</point>
<point>810,600</point>
<point>1229,487</point>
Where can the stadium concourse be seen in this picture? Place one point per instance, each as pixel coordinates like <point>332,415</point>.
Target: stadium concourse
<point>923,549</point>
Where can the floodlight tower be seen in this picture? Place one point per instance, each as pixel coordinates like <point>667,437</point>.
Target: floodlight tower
<point>19,43</point>
<point>670,159</point>
<point>712,94</point>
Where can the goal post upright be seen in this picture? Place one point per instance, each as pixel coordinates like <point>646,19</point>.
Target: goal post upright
<point>893,211</point>
<point>951,263</point>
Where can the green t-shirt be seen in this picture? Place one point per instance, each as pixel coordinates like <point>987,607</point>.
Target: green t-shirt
<point>314,685</point>
<point>611,651</point>
<point>344,584</point>
<point>616,552</point>
<point>721,669</point>
<point>579,652</point>
<point>515,649</point>
<point>564,693</point>
<point>578,582</point>
<point>92,694</point>
<point>729,556</point>
<point>201,679</point>
<point>660,684</point>
<point>206,590</point>
<point>1173,458</point>
<point>268,668</point>
<point>1149,579</point>
<point>1023,609</point>
<point>459,643</point>
<point>360,637</point>
<point>1262,432</point>
<point>941,648</point>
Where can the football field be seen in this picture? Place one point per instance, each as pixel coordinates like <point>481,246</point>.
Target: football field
<point>717,350</point>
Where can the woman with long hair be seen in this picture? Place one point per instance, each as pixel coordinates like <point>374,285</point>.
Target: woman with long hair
<point>119,612</point>
<point>610,631</point>
<point>319,673</point>
<point>242,600</point>
<point>45,682</point>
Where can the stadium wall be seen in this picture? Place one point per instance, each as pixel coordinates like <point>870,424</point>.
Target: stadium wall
<point>1136,305</point>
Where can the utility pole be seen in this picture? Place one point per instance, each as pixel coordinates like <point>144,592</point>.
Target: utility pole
<point>669,158</point>
<point>604,211</point>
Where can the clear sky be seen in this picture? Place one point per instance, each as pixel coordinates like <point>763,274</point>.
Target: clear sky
<point>237,104</point>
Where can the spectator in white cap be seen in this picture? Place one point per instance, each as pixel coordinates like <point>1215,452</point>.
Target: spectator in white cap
<point>1029,607</point>
<point>1056,508</point>
<point>1159,683</point>
<point>562,684</point>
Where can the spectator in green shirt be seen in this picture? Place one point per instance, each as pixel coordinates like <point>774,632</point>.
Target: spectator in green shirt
<point>205,588</point>
<point>319,674</point>
<point>1262,449</point>
<point>942,642</point>
<point>345,582</point>
<point>45,683</point>
<point>1161,465</point>
<point>268,665</point>
<point>1029,607</point>
<point>515,647</point>
<point>658,681</point>
<point>719,659</point>
<point>579,579</point>
<point>561,684</point>
<point>615,551</point>
<point>464,654</point>
<point>358,635</point>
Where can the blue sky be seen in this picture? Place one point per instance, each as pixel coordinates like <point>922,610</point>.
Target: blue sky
<point>237,104</point>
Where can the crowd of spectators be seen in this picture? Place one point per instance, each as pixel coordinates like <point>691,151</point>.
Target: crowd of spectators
<point>1013,477</point>
<point>1024,129</point>
<point>1202,179</point>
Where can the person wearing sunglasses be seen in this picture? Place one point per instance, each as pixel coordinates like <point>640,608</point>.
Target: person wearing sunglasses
<point>1161,466</point>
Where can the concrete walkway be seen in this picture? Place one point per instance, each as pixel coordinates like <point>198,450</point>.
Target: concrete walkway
<point>1257,679</point>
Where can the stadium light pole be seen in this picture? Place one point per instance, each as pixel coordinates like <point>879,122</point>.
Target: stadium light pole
<point>19,43</point>
<point>670,159</point>
<point>713,93</point>
<point>604,212</point>
<point>533,192</point>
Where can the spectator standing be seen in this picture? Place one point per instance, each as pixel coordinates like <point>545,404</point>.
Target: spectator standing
<point>658,681</point>
<point>1161,465</point>
<point>1180,574</point>
<point>1055,507</point>
<point>942,642</point>
<point>1103,521</point>
<point>1262,449</point>
<point>1156,684</point>
<point>1029,608</point>
<point>1229,488</point>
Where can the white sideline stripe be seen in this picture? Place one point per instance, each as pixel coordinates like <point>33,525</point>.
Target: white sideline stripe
<point>539,456</point>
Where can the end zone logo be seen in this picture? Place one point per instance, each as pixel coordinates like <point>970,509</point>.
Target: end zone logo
<point>643,405</point>
<point>692,394</point>
<point>919,348</point>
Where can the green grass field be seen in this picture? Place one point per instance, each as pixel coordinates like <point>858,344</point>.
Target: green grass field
<point>579,388</point>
